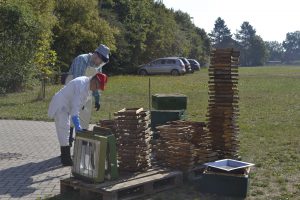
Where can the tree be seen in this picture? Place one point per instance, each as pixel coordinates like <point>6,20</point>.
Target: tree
<point>44,59</point>
<point>184,20</point>
<point>292,47</point>
<point>162,38</point>
<point>185,33</point>
<point>195,42</point>
<point>257,52</point>
<point>21,27</point>
<point>252,47</point>
<point>80,30</point>
<point>220,33</point>
<point>134,19</point>
<point>149,30</point>
<point>200,48</point>
<point>275,50</point>
<point>245,36</point>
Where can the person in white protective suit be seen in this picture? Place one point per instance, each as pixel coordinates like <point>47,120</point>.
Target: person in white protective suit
<point>88,65</point>
<point>67,103</point>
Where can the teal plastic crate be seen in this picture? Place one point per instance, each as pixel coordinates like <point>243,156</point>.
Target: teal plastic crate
<point>169,102</point>
<point>224,185</point>
<point>160,117</point>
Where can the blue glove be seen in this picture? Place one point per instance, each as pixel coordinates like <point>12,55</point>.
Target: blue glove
<point>75,120</point>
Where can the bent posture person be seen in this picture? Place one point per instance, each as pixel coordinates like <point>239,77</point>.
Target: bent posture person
<point>88,65</point>
<point>67,104</point>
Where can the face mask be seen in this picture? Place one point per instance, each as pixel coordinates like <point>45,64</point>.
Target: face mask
<point>102,64</point>
<point>93,65</point>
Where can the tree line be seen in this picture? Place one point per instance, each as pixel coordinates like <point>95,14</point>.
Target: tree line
<point>39,39</point>
<point>254,50</point>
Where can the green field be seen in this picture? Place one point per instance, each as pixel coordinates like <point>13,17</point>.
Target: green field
<point>269,120</point>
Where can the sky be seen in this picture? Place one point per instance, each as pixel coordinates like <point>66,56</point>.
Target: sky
<point>272,19</point>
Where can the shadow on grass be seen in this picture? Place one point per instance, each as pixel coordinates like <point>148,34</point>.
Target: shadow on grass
<point>8,104</point>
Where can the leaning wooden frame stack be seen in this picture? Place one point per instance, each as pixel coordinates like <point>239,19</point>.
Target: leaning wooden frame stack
<point>133,135</point>
<point>173,148</point>
<point>223,102</point>
<point>201,139</point>
<point>183,145</point>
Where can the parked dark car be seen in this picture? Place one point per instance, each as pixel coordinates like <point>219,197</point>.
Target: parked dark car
<point>195,65</point>
<point>187,65</point>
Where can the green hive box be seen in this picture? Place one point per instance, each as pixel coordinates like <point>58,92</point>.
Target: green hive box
<point>225,185</point>
<point>169,102</point>
<point>160,117</point>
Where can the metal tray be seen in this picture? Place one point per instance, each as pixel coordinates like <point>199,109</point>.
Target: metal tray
<point>229,164</point>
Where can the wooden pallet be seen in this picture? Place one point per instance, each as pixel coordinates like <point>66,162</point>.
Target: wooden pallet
<point>129,186</point>
<point>194,173</point>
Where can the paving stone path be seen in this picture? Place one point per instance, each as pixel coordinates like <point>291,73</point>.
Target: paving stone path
<point>29,164</point>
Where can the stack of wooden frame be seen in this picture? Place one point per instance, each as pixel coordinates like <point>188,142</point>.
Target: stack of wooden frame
<point>133,135</point>
<point>202,141</point>
<point>182,145</point>
<point>173,147</point>
<point>223,102</point>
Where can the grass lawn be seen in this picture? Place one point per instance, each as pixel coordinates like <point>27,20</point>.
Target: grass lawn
<point>269,120</point>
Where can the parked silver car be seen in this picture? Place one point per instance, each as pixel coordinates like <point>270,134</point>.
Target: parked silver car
<point>168,65</point>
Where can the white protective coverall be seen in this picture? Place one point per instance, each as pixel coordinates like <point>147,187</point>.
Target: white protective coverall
<point>81,66</point>
<point>66,103</point>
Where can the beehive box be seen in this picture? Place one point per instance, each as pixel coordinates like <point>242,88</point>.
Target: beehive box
<point>223,184</point>
<point>160,117</point>
<point>169,102</point>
